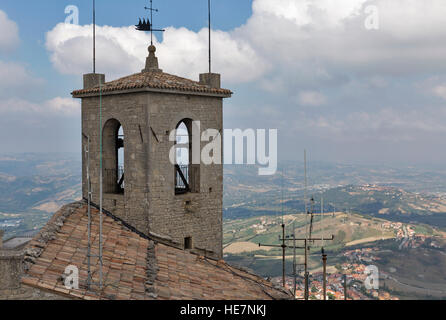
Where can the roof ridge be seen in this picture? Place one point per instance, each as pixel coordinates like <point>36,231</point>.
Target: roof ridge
<point>154,80</point>
<point>150,75</point>
<point>36,246</point>
<point>143,268</point>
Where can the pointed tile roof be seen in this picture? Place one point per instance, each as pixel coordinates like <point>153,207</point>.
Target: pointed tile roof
<point>152,78</point>
<point>144,81</point>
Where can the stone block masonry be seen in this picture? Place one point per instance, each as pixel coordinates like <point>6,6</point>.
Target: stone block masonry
<point>149,202</point>
<point>11,271</point>
<point>148,106</point>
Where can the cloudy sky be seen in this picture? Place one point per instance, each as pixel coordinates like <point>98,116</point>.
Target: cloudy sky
<point>349,80</point>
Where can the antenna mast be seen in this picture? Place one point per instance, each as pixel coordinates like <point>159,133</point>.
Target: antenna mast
<point>283,241</point>
<point>94,36</point>
<point>306,275</point>
<point>283,246</point>
<point>100,185</point>
<point>322,218</point>
<point>87,155</point>
<point>305,182</point>
<point>209,16</point>
<point>309,229</point>
<point>90,281</point>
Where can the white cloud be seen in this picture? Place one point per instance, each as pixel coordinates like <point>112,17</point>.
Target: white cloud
<point>301,40</point>
<point>185,52</point>
<point>440,91</point>
<point>15,79</point>
<point>56,107</point>
<point>119,50</point>
<point>47,126</point>
<point>9,35</point>
<point>63,106</point>
<point>292,51</point>
<point>311,98</point>
<point>302,12</point>
<point>300,37</point>
<point>14,76</point>
<point>388,124</point>
<point>122,51</point>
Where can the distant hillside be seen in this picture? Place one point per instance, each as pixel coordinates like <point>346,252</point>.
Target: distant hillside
<point>34,186</point>
<point>386,202</point>
<point>405,194</point>
<point>410,256</point>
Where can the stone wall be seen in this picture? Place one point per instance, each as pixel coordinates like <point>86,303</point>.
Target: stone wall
<point>197,215</point>
<point>149,202</point>
<point>11,271</point>
<point>130,111</point>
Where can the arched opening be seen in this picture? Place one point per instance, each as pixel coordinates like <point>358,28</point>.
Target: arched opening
<point>121,162</point>
<point>187,172</point>
<point>183,141</point>
<point>113,157</point>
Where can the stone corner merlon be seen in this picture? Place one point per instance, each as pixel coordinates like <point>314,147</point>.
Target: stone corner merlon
<point>212,80</point>
<point>92,80</point>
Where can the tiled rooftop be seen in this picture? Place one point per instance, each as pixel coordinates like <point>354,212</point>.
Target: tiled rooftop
<point>154,80</point>
<point>135,267</point>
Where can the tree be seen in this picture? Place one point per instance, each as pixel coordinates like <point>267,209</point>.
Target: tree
<point>340,237</point>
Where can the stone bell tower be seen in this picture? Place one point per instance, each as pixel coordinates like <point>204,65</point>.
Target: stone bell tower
<point>136,116</point>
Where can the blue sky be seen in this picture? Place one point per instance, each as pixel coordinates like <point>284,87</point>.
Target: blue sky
<point>35,18</point>
<point>349,80</point>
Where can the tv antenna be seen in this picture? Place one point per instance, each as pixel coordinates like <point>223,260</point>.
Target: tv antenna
<point>147,25</point>
<point>308,237</point>
<point>283,245</point>
<point>307,248</point>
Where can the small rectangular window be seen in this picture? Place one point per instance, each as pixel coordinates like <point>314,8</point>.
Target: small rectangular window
<point>188,243</point>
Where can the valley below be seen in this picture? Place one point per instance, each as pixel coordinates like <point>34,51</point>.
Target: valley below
<point>391,218</point>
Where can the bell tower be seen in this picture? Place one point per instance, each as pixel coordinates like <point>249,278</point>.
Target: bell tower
<point>142,118</point>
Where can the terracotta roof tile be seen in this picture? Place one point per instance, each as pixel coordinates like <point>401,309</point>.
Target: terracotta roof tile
<point>134,267</point>
<point>153,80</point>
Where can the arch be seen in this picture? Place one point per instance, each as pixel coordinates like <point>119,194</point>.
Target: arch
<point>113,155</point>
<point>186,173</point>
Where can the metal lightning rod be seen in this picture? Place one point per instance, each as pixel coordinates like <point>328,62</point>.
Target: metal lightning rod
<point>209,20</point>
<point>283,242</point>
<point>151,19</point>
<point>306,275</point>
<point>322,218</point>
<point>87,155</point>
<point>100,186</point>
<point>94,36</point>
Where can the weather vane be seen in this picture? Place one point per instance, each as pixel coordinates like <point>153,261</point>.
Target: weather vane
<point>144,25</point>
